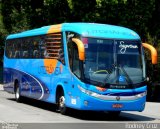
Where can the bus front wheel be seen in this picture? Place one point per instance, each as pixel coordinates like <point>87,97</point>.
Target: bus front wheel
<point>61,103</point>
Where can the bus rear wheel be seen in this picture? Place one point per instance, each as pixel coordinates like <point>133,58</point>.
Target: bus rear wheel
<point>18,96</point>
<point>61,103</point>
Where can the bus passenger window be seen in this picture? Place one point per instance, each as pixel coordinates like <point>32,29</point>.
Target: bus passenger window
<point>61,55</point>
<point>35,54</point>
<point>10,54</point>
<point>17,54</point>
<point>25,54</point>
<point>46,54</point>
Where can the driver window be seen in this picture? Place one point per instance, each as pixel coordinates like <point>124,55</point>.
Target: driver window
<point>74,61</point>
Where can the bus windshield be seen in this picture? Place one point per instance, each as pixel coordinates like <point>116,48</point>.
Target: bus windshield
<point>113,62</point>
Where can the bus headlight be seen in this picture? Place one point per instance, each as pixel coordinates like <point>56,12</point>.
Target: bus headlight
<point>87,91</point>
<point>141,95</point>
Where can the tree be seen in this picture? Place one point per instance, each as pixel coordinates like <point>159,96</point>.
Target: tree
<point>83,11</point>
<point>138,14</point>
<point>3,34</point>
<point>35,13</point>
<point>56,11</point>
<point>154,22</point>
<point>14,16</point>
<point>110,11</point>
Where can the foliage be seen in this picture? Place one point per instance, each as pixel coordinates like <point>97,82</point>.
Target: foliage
<point>141,16</point>
<point>56,11</point>
<point>83,11</point>
<point>14,15</point>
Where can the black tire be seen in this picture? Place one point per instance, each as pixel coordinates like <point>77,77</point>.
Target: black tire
<point>61,103</point>
<point>18,96</point>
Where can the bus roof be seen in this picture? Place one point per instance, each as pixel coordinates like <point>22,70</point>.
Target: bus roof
<point>85,29</point>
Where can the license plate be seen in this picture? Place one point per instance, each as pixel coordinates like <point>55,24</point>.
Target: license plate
<point>117,105</point>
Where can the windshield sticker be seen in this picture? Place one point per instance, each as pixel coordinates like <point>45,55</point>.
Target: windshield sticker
<point>73,101</point>
<point>124,47</point>
<point>121,78</point>
<point>85,45</point>
<point>85,42</point>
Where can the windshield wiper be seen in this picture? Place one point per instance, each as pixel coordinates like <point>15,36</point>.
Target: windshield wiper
<point>128,79</point>
<point>110,71</point>
<point>114,66</point>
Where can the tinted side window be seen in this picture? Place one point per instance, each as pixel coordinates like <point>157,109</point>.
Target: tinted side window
<point>37,47</point>
<point>8,49</point>
<point>54,47</point>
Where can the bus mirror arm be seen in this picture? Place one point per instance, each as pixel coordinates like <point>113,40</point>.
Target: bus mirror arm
<point>81,49</point>
<point>153,52</point>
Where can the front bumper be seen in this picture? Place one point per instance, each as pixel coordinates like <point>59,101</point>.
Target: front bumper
<point>91,103</point>
<point>97,102</point>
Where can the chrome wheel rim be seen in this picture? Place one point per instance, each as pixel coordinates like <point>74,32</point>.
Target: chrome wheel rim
<point>17,93</point>
<point>61,102</point>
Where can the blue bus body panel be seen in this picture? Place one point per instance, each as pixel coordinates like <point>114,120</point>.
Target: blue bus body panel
<point>100,30</point>
<point>36,83</point>
<point>85,29</point>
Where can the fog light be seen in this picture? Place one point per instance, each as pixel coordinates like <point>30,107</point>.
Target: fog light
<point>86,103</point>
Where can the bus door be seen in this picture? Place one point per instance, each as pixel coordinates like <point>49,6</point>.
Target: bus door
<point>75,69</point>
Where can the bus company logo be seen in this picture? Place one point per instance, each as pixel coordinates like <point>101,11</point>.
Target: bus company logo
<point>124,47</point>
<point>118,98</point>
<point>50,65</point>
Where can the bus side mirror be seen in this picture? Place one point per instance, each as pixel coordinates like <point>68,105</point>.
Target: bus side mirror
<point>81,49</point>
<point>153,52</point>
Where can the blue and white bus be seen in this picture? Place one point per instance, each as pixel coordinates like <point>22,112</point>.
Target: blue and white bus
<point>85,66</point>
